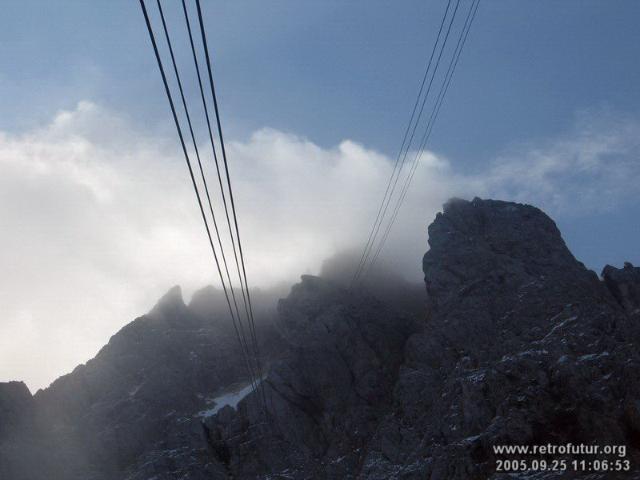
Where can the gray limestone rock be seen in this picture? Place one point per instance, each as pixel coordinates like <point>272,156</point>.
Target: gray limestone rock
<point>518,344</point>
<point>624,284</point>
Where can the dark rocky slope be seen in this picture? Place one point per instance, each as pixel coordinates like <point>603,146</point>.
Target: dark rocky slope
<point>328,394</point>
<point>518,344</point>
<point>133,411</point>
<point>521,344</point>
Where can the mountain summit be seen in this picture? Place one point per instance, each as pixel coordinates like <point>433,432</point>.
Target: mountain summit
<point>517,344</point>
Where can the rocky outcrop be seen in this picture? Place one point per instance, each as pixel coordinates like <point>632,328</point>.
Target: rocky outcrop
<point>16,425</point>
<point>132,412</point>
<point>16,406</point>
<point>624,285</point>
<point>521,344</point>
<point>327,395</point>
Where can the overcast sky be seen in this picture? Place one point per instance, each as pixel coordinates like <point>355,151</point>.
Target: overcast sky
<point>96,212</point>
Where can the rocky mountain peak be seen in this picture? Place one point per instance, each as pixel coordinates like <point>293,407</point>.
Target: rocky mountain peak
<point>493,241</point>
<point>13,393</point>
<point>16,403</point>
<point>170,305</point>
<point>519,337</point>
<point>519,344</point>
<point>624,284</point>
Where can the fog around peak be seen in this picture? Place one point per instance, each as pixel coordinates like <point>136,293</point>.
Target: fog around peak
<point>99,219</point>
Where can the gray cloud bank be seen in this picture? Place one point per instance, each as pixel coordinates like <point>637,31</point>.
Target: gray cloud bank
<point>98,218</point>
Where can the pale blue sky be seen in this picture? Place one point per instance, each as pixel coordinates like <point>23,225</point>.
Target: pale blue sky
<point>334,70</point>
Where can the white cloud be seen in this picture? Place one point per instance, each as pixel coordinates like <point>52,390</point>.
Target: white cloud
<point>98,218</point>
<point>593,168</point>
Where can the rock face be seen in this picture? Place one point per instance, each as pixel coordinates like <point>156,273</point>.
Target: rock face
<point>518,344</point>
<point>133,411</point>
<point>326,397</point>
<point>16,423</point>
<point>624,284</point>
<point>16,405</point>
<point>521,344</point>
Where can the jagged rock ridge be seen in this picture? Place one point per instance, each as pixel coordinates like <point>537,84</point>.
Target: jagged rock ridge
<point>132,411</point>
<point>521,344</point>
<point>518,344</point>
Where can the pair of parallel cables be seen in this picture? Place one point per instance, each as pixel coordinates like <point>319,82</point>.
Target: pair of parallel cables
<point>248,342</point>
<point>385,217</point>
